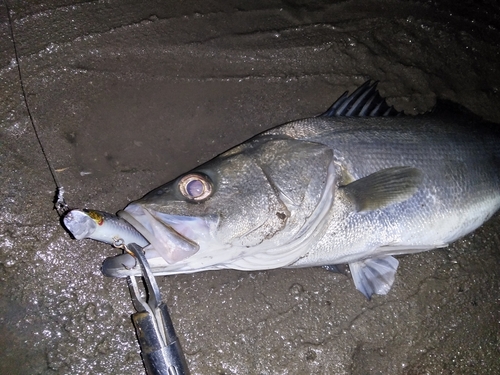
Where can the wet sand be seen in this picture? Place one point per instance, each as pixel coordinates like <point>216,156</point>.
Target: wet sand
<point>126,96</point>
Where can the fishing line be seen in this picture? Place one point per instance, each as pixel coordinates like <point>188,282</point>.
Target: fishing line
<point>59,203</point>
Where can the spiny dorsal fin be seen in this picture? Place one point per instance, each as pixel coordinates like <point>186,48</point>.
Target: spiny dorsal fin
<point>364,102</point>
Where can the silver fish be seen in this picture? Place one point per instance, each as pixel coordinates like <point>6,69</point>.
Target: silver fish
<point>358,185</point>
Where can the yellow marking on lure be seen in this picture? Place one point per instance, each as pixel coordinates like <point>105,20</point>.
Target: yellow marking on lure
<point>96,216</point>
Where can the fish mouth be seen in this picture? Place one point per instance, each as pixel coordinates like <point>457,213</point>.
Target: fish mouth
<point>173,238</point>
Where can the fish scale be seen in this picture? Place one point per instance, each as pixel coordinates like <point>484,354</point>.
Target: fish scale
<point>357,185</point>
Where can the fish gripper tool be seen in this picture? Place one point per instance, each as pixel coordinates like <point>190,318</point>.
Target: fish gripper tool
<point>160,348</point>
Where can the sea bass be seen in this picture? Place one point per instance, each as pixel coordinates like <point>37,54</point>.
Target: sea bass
<point>357,185</point>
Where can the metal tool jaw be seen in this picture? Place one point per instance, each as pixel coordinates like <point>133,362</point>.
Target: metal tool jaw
<point>160,348</point>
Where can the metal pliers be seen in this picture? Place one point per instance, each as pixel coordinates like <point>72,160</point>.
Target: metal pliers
<point>160,348</point>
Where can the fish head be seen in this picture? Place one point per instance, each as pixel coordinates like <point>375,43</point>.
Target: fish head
<point>256,194</point>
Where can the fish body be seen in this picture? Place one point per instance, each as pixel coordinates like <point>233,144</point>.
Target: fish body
<point>357,185</point>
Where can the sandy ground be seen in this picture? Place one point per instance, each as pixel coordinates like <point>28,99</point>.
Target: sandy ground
<point>127,95</point>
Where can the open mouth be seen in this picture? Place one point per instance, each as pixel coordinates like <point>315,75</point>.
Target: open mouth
<point>171,245</point>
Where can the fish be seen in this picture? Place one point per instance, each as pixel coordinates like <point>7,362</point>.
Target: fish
<point>357,185</point>
<point>111,229</point>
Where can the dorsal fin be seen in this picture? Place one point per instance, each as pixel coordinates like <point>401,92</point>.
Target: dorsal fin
<point>447,108</point>
<point>364,102</point>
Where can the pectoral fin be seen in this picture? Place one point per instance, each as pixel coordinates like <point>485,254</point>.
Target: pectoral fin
<point>374,276</point>
<point>383,188</point>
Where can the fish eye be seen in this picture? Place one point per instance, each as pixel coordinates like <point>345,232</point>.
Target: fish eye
<point>195,186</point>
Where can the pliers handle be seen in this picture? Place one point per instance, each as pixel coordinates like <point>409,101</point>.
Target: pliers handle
<point>160,348</point>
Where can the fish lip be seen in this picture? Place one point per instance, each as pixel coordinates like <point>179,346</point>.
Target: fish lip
<point>126,216</point>
<point>120,266</point>
<point>172,246</point>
